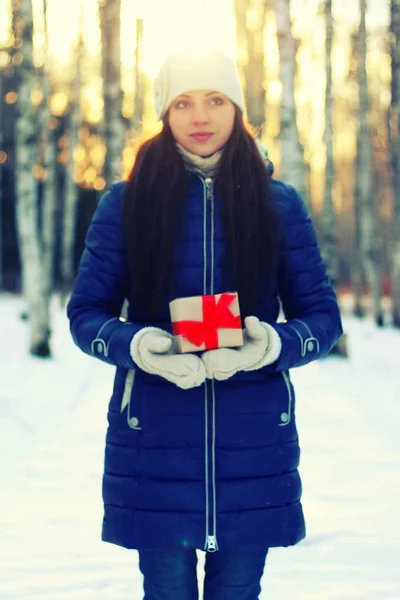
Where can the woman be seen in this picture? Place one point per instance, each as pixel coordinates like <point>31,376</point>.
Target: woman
<point>202,449</point>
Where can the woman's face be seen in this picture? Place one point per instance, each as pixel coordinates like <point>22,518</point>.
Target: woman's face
<point>201,121</point>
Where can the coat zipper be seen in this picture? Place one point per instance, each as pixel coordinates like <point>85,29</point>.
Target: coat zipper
<point>211,542</point>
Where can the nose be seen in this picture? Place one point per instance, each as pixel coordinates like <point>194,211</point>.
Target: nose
<point>199,115</point>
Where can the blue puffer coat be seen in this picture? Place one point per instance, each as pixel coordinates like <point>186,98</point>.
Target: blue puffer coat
<point>213,467</point>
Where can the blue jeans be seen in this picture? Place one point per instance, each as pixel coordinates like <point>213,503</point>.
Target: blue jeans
<point>229,574</point>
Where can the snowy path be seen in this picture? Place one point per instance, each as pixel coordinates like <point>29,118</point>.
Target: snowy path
<point>52,426</point>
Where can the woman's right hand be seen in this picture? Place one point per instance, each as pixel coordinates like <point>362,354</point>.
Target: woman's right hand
<point>153,351</point>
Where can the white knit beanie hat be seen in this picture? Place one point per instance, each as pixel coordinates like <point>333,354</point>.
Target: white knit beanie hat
<point>181,72</point>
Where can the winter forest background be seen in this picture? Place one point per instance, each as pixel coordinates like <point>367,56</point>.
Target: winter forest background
<point>321,80</point>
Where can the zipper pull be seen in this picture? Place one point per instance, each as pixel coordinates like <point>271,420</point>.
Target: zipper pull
<point>211,543</point>
<point>209,186</point>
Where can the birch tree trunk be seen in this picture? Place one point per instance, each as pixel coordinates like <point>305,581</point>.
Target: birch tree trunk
<point>250,26</point>
<point>26,189</point>
<point>49,183</point>
<point>357,273</point>
<point>329,223</point>
<point>71,191</point>
<point>1,180</point>
<point>394,133</point>
<point>329,216</point>
<point>293,169</point>
<point>368,217</point>
<point>241,39</point>
<point>114,127</point>
<point>137,116</point>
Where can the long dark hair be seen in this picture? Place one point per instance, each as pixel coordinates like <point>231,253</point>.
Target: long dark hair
<point>153,205</point>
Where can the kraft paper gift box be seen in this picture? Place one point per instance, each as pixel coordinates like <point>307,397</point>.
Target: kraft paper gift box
<point>206,322</point>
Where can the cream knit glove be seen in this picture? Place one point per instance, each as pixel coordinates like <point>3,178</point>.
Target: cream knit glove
<point>152,349</point>
<point>262,346</point>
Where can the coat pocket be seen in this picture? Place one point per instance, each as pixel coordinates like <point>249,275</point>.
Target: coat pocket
<point>286,415</point>
<point>133,409</point>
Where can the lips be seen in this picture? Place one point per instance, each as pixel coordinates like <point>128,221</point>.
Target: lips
<point>201,136</point>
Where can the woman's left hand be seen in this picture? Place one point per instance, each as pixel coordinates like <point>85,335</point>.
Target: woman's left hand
<point>262,346</point>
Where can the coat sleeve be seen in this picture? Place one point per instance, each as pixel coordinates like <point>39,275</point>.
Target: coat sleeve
<point>101,287</point>
<point>313,323</point>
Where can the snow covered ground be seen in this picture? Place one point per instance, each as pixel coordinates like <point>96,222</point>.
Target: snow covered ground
<point>52,426</point>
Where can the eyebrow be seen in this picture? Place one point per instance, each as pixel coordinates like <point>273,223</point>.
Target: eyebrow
<point>209,94</point>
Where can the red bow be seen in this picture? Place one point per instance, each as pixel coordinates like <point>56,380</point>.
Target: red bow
<point>216,315</point>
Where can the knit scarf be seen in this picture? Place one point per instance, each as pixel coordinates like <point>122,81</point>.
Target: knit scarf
<point>205,166</point>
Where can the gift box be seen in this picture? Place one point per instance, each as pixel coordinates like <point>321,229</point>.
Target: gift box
<point>206,322</point>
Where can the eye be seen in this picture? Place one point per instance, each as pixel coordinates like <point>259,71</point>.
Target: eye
<point>216,101</point>
<point>181,104</point>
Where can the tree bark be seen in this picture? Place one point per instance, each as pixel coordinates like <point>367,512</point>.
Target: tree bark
<point>71,192</point>
<point>369,230</point>
<point>26,188</point>
<point>394,136</point>
<point>329,222</point>
<point>293,168</point>
<point>137,116</point>
<point>1,182</point>
<point>49,182</point>
<point>250,36</point>
<point>357,273</point>
<point>329,216</point>
<point>114,127</point>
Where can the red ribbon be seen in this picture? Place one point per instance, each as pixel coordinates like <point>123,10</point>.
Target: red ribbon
<point>216,315</point>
